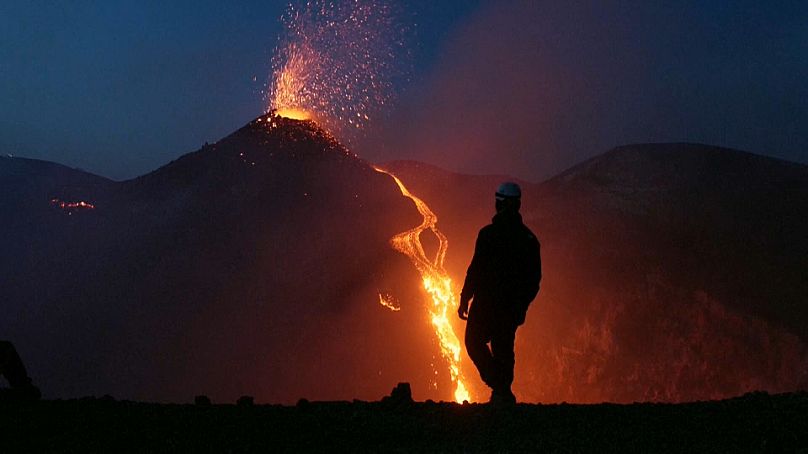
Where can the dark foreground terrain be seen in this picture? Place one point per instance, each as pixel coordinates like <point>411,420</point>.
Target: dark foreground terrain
<point>756,422</point>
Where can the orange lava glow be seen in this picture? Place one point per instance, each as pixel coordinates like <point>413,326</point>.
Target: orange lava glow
<point>437,284</point>
<point>293,113</point>
<point>80,205</point>
<point>388,302</point>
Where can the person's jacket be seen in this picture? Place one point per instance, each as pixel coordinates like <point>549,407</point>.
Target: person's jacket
<point>505,272</point>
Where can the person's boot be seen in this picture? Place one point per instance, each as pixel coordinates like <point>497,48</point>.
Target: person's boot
<point>502,398</point>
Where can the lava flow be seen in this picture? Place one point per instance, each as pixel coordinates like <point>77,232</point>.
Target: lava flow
<point>436,282</point>
<point>336,64</point>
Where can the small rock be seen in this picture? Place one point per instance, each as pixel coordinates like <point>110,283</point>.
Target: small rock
<point>401,395</point>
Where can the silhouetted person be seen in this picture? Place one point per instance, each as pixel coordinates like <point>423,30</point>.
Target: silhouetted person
<point>13,370</point>
<point>502,280</point>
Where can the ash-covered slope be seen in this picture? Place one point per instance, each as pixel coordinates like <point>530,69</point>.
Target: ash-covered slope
<point>671,272</point>
<point>251,266</point>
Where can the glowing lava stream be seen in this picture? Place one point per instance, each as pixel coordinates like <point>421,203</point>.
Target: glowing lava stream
<point>436,282</point>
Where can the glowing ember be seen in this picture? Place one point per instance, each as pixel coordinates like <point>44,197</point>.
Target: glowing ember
<point>337,62</point>
<point>436,282</point>
<point>72,206</point>
<point>389,302</point>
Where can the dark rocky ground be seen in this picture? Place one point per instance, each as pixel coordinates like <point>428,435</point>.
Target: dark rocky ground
<point>756,422</point>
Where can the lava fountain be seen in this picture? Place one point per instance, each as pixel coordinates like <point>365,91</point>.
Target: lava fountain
<point>337,62</point>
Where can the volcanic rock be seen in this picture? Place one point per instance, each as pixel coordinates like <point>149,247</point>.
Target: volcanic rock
<point>401,395</point>
<point>245,401</point>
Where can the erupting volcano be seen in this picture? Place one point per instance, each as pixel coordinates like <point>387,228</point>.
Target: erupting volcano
<point>334,66</point>
<point>337,62</point>
<point>274,257</point>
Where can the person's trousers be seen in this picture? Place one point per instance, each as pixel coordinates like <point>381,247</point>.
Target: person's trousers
<point>11,366</point>
<point>495,363</point>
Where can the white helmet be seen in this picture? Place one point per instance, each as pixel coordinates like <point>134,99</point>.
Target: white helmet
<point>508,190</point>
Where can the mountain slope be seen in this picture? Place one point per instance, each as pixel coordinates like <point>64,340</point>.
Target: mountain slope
<point>737,219</point>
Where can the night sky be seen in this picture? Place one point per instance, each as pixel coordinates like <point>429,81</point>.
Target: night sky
<point>527,88</point>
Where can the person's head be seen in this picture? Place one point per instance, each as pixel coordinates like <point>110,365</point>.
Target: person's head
<point>509,197</point>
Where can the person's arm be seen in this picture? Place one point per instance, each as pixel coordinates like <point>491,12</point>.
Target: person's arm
<point>535,271</point>
<point>472,277</point>
<point>532,280</point>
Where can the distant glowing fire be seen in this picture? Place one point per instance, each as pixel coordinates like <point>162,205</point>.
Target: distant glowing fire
<point>436,282</point>
<point>389,302</point>
<point>72,206</point>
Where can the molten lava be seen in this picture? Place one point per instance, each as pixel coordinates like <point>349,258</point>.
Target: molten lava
<point>389,302</point>
<point>338,61</point>
<point>436,282</point>
<point>293,113</point>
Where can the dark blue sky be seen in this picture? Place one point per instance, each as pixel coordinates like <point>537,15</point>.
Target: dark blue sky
<point>523,87</point>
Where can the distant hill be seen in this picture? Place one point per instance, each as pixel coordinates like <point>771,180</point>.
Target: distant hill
<point>735,219</point>
<point>30,193</point>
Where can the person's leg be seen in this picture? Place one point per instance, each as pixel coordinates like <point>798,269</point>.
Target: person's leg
<point>477,338</point>
<point>502,341</point>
